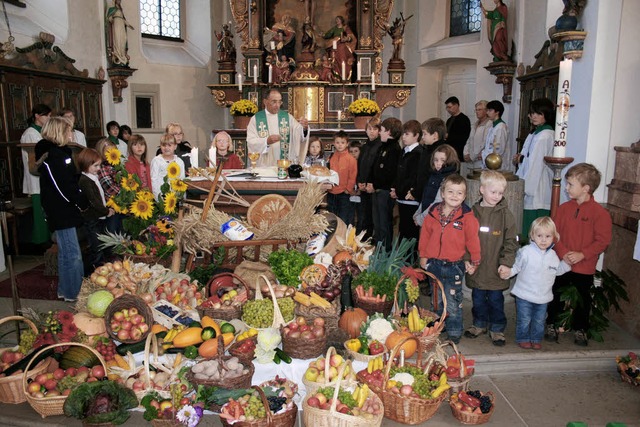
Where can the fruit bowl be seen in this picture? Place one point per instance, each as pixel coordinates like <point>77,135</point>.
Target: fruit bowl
<point>304,340</point>
<point>472,407</point>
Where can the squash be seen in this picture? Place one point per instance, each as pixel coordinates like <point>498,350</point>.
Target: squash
<point>75,357</point>
<point>208,321</point>
<point>93,327</point>
<point>190,336</point>
<point>395,337</point>
<point>156,328</point>
<point>342,256</point>
<point>208,349</point>
<point>351,321</point>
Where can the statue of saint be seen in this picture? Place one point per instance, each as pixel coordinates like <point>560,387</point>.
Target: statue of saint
<point>226,48</point>
<point>345,42</point>
<point>396,31</point>
<point>308,36</point>
<point>497,22</point>
<point>117,43</point>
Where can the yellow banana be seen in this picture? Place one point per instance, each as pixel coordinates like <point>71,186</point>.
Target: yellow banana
<point>356,394</point>
<point>364,393</point>
<point>411,321</point>
<point>370,366</point>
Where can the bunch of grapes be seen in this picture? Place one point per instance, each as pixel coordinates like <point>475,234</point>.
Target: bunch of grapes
<point>413,291</point>
<point>275,403</point>
<point>423,386</point>
<point>253,408</point>
<point>106,348</point>
<point>27,338</point>
<point>259,313</point>
<point>67,382</point>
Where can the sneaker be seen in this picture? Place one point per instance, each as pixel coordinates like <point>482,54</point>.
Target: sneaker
<point>66,299</point>
<point>525,345</point>
<point>580,338</point>
<point>474,332</point>
<point>551,333</point>
<point>536,346</point>
<point>497,338</point>
<point>455,340</point>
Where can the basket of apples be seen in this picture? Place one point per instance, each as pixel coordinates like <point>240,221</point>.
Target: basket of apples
<point>342,406</point>
<point>128,319</point>
<point>472,407</point>
<point>304,340</point>
<point>324,371</point>
<point>227,294</point>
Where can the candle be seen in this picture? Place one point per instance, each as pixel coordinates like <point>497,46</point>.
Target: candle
<point>359,71</point>
<point>335,44</point>
<point>273,45</point>
<point>373,81</point>
<point>562,108</point>
<point>194,157</point>
<point>270,73</point>
<point>240,82</point>
<point>255,74</point>
<point>212,157</point>
<point>339,115</point>
<point>344,71</point>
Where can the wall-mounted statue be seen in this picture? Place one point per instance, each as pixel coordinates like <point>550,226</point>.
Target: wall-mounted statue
<point>345,42</point>
<point>284,37</point>
<point>117,39</point>
<point>226,48</point>
<point>396,31</point>
<point>497,22</point>
<point>309,43</point>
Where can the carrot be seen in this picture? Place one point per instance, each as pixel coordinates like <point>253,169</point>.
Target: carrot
<point>370,291</point>
<point>384,297</point>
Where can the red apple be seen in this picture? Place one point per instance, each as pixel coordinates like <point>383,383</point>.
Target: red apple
<point>98,371</point>
<point>133,311</point>
<point>50,384</point>
<point>41,379</point>
<point>294,326</point>
<point>126,325</point>
<point>71,372</point>
<point>136,319</point>
<point>123,334</point>
<point>135,333</point>
<point>59,374</point>
<point>34,387</point>
<point>115,326</point>
<point>301,321</point>
<point>118,315</point>
<point>313,402</point>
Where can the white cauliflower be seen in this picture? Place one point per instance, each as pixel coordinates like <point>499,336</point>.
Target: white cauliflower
<point>404,378</point>
<point>379,329</point>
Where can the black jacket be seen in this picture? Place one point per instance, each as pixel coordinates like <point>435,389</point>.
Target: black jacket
<point>385,166</point>
<point>424,168</point>
<point>368,154</point>
<point>96,208</point>
<point>407,174</point>
<point>62,199</point>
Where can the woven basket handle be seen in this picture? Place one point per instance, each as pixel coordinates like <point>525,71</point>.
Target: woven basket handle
<point>438,283</point>
<point>265,403</point>
<point>396,350</point>
<point>60,344</point>
<point>32,325</point>
<point>327,358</point>
<point>278,320</point>
<point>151,344</point>
<point>396,308</point>
<point>336,387</point>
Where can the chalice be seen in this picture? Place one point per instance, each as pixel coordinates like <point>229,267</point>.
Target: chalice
<point>253,158</point>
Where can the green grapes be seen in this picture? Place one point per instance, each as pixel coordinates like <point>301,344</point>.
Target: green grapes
<point>253,407</point>
<point>27,338</point>
<point>413,291</point>
<point>259,313</point>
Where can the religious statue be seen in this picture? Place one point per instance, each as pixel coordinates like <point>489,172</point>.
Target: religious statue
<point>497,22</point>
<point>396,31</point>
<point>308,36</point>
<point>344,40</point>
<point>568,21</point>
<point>226,48</point>
<point>117,43</point>
<point>281,38</point>
<point>282,70</point>
<point>324,67</point>
<point>310,10</point>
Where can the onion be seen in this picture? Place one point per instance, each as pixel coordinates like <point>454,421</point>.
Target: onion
<point>111,285</point>
<point>101,280</point>
<point>93,277</point>
<point>318,331</point>
<point>147,297</point>
<point>406,390</point>
<point>117,265</point>
<point>117,292</point>
<point>264,289</point>
<point>318,321</point>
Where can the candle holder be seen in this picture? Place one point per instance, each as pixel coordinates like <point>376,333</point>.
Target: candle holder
<point>557,164</point>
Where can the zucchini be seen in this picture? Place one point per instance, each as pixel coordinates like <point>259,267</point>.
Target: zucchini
<point>137,347</point>
<point>22,363</point>
<point>283,356</point>
<point>176,350</point>
<point>195,324</point>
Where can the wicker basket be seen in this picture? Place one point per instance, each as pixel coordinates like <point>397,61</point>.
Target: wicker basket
<point>225,312</point>
<point>371,307</point>
<point>625,377</point>
<point>128,301</point>
<point>440,355</point>
<point>302,348</point>
<point>151,260</point>
<point>10,387</point>
<point>407,409</point>
<point>364,357</point>
<point>471,418</point>
<point>284,419</point>
<point>278,320</point>
<point>151,350</point>
<point>312,386</point>
<point>242,381</point>
<point>330,315</point>
<point>248,357</point>
<point>49,406</point>
<point>317,417</point>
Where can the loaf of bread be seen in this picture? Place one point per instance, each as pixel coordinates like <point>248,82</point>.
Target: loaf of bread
<point>319,170</point>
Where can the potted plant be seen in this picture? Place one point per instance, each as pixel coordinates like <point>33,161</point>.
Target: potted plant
<point>242,110</point>
<point>363,110</point>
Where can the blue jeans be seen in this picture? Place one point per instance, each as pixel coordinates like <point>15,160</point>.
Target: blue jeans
<point>488,309</point>
<point>530,321</point>
<point>450,274</point>
<point>70,267</point>
<point>341,206</point>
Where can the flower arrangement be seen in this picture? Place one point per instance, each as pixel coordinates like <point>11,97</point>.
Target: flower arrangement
<point>177,407</point>
<point>243,107</point>
<point>148,224</point>
<point>55,326</point>
<point>364,107</point>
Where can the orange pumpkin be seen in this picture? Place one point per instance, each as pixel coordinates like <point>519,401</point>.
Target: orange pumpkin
<point>342,256</point>
<point>351,320</point>
<point>409,347</point>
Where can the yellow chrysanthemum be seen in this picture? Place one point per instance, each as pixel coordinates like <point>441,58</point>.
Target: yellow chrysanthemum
<point>142,208</point>
<point>113,205</point>
<point>164,226</point>
<point>145,195</point>
<point>170,202</point>
<point>113,156</point>
<point>129,183</point>
<point>178,185</point>
<point>173,170</point>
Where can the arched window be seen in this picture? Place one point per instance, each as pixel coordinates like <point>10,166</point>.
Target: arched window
<point>465,17</point>
<point>160,18</point>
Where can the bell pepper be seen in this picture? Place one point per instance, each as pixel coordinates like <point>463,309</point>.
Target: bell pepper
<point>354,344</point>
<point>364,341</point>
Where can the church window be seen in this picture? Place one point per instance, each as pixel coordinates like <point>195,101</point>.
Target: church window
<point>465,17</point>
<point>160,18</point>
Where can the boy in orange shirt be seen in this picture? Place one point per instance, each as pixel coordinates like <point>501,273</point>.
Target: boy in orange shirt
<point>347,168</point>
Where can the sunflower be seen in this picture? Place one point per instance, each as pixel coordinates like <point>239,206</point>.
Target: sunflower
<point>113,156</point>
<point>173,170</point>
<point>164,226</point>
<point>129,183</point>
<point>142,208</point>
<point>178,185</point>
<point>170,202</point>
<point>145,195</point>
<point>112,204</point>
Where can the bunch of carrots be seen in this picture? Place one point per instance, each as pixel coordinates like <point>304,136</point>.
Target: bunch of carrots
<point>368,295</point>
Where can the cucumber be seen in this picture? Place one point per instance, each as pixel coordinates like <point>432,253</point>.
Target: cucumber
<point>137,347</point>
<point>176,350</point>
<point>22,363</point>
<point>283,356</point>
<point>276,358</point>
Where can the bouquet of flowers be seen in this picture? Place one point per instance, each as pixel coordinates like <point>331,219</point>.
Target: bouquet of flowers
<point>364,107</point>
<point>148,222</point>
<point>243,107</point>
<point>176,408</point>
<point>54,326</point>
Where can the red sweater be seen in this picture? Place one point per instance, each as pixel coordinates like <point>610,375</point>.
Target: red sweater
<point>143,170</point>
<point>347,168</point>
<point>583,228</point>
<point>451,242</point>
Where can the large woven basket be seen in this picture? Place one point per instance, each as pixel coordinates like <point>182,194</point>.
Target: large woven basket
<point>330,315</point>
<point>49,406</point>
<point>312,386</point>
<point>284,419</point>
<point>407,409</point>
<point>128,301</point>
<point>302,348</point>
<point>364,357</point>
<point>317,417</point>
<point>225,312</point>
<point>151,351</point>
<point>371,307</point>
<point>151,260</point>
<point>242,381</point>
<point>11,386</point>
<point>471,418</point>
<point>440,356</point>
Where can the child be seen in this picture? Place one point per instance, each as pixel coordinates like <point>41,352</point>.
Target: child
<point>368,154</point>
<point>537,177</point>
<point>160,163</point>
<point>113,130</point>
<point>498,136</point>
<point>433,134</point>
<point>314,154</point>
<point>125,133</point>
<point>183,148</point>
<point>499,244</point>
<point>354,150</point>
<point>137,161</point>
<point>585,232</point>
<point>406,180</point>
<point>228,159</point>
<point>347,168</point>
<point>89,161</point>
<point>383,174</point>
<point>110,186</point>
<point>537,266</point>
<point>449,230</point>
<point>444,162</point>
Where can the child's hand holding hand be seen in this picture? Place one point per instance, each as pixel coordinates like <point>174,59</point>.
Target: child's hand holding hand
<point>504,272</point>
<point>572,258</point>
<point>409,196</point>
<point>469,268</point>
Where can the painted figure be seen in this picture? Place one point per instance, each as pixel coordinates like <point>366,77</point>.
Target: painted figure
<point>497,21</point>
<point>117,35</point>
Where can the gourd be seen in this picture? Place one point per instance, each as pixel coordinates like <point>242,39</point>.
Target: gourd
<point>75,357</point>
<point>410,346</point>
<point>92,326</point>
<point>190,336</point>
<point>208,321</point>
<point>351,320</point>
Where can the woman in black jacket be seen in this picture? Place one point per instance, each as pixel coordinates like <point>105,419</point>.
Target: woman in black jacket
<point>62,201</point>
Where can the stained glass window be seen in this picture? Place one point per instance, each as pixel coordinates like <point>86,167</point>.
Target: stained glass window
<point>160,18</point>
<point>465,17</point>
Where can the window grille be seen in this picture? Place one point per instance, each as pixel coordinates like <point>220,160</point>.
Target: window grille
<point>465,17</point>
<point>160,18</point>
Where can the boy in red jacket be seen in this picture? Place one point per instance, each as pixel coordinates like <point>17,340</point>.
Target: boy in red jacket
<point>450,230</point>
<point>585,232</point>
<point>346,166</point>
